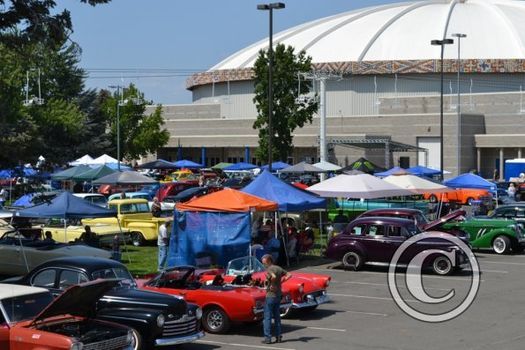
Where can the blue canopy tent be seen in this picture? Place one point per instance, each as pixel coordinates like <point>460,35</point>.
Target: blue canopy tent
<point>187,164</point>
<point>24,201</point>
<point>241,166</point>
<point>6,174</point>
<point>394,171</point>
<point>288,197</point>
<point>419,170</point>
<point>470,180</point>
<point>65,206</point>
<point>277,166</point>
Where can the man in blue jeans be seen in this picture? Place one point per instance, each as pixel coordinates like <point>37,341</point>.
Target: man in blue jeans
<point>275,275</point>
<point>162,243</point>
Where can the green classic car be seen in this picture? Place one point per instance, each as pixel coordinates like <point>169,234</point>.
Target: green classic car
<point>502,236</point>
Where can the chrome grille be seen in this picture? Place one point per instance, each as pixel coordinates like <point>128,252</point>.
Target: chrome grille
<point>183,326</point>
<point>109,344</point>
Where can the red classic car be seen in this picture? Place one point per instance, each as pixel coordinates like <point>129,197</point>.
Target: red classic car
<point>308,290</point>
<point>30,319</point>
<point>221,303</point>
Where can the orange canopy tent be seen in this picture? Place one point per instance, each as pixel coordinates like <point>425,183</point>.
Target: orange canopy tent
<point>228,200</point>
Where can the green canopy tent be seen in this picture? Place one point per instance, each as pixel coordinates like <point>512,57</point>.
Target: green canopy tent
<point>221,166</point>
<point>69,173</point>
<point>93,174</point>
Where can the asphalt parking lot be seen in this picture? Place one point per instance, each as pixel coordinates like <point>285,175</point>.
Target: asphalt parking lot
<point>363,315</point>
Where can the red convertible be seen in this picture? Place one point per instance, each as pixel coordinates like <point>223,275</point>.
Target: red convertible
<point>222,303</point>
<point>308,290</point>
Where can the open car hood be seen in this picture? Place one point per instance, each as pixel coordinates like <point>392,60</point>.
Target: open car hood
<point>78,300</point>
<point>433,225</point>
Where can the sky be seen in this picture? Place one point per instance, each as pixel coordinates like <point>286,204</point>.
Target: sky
<point>158,44</point>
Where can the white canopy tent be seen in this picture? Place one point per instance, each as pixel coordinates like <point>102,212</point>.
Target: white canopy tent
<point>357,186</point>
<point>103,159</point>
<point>84,160</point>
<point>416,184</point>
<point>327,166</point>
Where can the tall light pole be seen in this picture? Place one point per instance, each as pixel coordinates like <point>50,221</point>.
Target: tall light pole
<point>270,7</point>
<point>441,43</point>
<point>118,123</point>
<point>458,105</point>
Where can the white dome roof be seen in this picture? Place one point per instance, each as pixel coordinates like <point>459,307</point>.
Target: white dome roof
<point>495,29</point>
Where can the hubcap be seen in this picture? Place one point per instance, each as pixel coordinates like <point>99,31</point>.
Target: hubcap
<point>442,265</point>
<point>215,319</point>
<point>351,260</point>
<point>499,245</point>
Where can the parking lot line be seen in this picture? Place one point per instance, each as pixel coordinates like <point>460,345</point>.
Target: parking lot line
<point>369,297</point>
<point>503,263</point>
<point>242,345</point>
<point>366,313</point>
<point>327,329</point>
<point>386,285</point>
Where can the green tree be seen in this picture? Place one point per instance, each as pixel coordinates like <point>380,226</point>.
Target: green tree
<point>140,134</point>
<point>34,21</point>
<point>289,112</point>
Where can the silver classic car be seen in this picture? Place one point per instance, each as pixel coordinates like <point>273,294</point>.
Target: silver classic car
<point>21,253</point>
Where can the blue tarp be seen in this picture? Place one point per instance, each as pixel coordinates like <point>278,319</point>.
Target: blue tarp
<point>187,164</point>
<point>394,171</point>
<point>277,166</point>
<point>241,166</point>
<point>289,198</point>
<point>419,170</point>
<point>6,174</point>
<point>224,236</point>
<point>65,205</point>
<point>24,201</point>
<point>469,180</point>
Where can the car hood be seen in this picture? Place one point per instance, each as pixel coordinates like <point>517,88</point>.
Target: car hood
<point>78,300</point>
<point>442,220</point>
<point>148,299</point>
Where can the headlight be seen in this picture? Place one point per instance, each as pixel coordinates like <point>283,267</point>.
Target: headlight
<point>77,346</point>
<point>160,320</point>
<point>259,304</point>
<point>198,313</point>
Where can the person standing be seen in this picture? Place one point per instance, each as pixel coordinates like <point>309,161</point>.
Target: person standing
<point>162,243</point>
<point>3,197</point>
<point>115,248</point>
<point>275,275</point>
<point>156,208</point>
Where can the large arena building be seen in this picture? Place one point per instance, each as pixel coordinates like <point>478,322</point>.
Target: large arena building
<point>383,90</point>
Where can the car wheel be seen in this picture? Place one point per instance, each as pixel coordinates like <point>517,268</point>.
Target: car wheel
<point>353,260</point>
<point>137,239</point>
<point>470,200</point>
<point>501,244</point>
<point>432,198</point>
<point>136,340</point>
<point>215,320</point>
<point>442,266</point>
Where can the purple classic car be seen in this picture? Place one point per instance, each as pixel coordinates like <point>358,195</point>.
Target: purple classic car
<point>421,221</point>
<point>374,240</point>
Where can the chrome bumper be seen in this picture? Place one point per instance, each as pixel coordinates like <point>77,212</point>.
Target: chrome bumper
<point>179,340</point>
<point>312,301</point>
<point>283,306</point>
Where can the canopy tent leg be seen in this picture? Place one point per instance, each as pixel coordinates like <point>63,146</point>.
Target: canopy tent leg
<point>123,240</point>
<point>283,240</point>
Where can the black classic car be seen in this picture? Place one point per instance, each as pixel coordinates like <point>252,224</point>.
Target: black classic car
<point>374,240</point>
<point>155,318</point>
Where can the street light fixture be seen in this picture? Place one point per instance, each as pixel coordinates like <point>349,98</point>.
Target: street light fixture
<point>458,105</point>
<point>270,7</point>
<point>118,87</point>
<point>441,43</point>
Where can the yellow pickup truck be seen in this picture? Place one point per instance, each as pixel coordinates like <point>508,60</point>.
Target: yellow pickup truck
<point>135,216</point>
<point>105,232</point>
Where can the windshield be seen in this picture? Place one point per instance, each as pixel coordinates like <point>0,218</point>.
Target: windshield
<point>26,307</point>
<point>132,208</point>
<point>100,201</point>
<point>126,280</point>
<point>244,265</point>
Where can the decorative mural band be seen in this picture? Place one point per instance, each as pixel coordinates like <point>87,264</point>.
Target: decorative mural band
<point>374,67</point>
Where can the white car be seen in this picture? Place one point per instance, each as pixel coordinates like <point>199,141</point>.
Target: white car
<point>93,198</point>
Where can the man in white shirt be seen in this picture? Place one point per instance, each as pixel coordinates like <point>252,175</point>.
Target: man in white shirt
<point>3,197</point>
<point>163,242</point>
